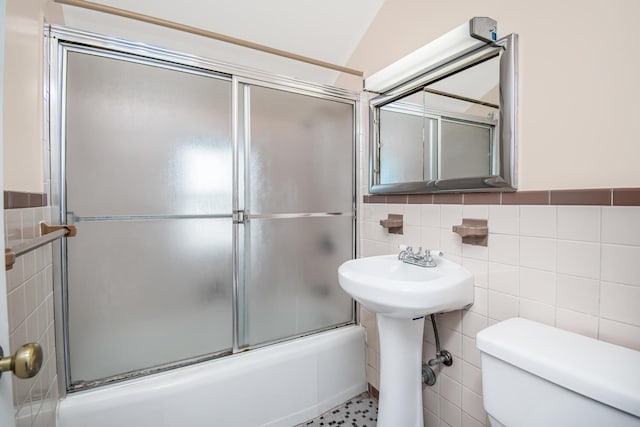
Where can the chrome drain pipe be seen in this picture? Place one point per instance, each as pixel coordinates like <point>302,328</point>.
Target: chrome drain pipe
<point>443,357</point>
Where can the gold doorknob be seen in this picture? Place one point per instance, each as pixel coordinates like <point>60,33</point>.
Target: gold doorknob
<point>25,363</point>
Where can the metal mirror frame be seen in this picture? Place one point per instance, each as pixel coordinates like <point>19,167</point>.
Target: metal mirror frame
<point>506,175</point>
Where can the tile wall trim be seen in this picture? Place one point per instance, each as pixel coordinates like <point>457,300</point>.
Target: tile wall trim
<point>21,200</point>
<point>373,391</point>
<point>582,197</point>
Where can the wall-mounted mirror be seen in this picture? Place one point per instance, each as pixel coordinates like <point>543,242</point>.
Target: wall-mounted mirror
<point>451,128</point>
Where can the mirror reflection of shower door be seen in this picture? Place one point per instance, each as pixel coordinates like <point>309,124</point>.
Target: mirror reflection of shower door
<point>299,204</point>
<point>148,184</point>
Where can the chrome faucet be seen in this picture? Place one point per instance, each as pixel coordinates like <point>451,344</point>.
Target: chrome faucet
<point>419,258</point>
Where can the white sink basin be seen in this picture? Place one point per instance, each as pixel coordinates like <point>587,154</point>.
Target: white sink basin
<point>401,294</point>
<point>388,286</point>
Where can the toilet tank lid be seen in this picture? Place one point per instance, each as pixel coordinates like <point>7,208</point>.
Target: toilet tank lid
<point>602,371</point>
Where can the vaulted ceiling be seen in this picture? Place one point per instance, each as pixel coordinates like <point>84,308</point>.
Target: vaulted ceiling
<point>328,30</point>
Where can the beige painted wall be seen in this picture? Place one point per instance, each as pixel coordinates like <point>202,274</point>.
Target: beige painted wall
<point>23,93</point>
<point>579,85</point>
<point>579,64</point>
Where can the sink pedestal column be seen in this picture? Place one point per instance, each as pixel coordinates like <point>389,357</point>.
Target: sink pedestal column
<point>400,401</point>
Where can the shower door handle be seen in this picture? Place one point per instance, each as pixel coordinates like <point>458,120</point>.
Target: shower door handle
<point>239,217</point>
<point>25,363</point>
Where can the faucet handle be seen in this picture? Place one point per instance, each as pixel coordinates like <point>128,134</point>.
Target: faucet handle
<point>404,250</point>
<point>428,253</point>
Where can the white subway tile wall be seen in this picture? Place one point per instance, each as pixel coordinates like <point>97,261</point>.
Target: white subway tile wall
<point>30,297</point>
<point>573,267</point>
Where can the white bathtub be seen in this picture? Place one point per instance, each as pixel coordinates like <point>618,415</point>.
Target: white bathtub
<point>280,385</point>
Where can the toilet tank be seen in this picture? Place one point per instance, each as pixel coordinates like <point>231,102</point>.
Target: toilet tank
<point>537,375</point>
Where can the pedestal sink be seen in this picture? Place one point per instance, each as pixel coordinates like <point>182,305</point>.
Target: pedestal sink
<point>401,295</point>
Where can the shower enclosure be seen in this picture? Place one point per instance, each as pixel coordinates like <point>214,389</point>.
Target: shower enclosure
<point>214,205</point>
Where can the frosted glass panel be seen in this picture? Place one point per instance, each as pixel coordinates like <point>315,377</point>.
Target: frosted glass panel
<point>465,150</point>
<point>292,276</point>
<point>401,147</point>
<point>145,140</point>
<point>146,293</point>
<point>301,157</point>
<point>152,142</point>
<point>406,142</point>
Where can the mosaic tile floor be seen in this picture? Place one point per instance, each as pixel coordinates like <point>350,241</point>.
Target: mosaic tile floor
<point>361,411</point>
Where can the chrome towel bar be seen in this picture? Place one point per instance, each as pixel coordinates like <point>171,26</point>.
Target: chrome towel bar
<point>48,233</point>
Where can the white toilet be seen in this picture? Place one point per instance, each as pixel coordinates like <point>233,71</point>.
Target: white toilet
<point>537,375</point>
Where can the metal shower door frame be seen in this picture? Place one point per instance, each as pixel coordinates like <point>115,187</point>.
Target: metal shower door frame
<point>241,103</point>
<point>60,40</point>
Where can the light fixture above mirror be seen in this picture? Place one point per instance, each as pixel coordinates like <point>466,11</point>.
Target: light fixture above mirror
<point>445,119</point>
<point>465,38</point>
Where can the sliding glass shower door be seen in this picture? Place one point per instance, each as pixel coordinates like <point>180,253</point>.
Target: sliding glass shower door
<point>212,211</point>
<point>148,184</point>
<point>299,206</point>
